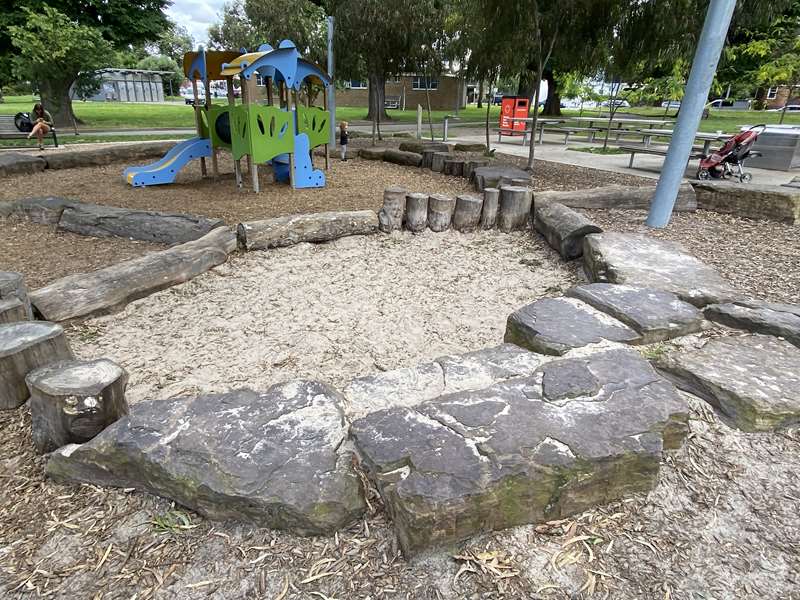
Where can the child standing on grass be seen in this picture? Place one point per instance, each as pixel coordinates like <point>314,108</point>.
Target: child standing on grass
<point>343,137</point>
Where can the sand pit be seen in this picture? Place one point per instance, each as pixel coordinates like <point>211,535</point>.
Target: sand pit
<point>328,312</point>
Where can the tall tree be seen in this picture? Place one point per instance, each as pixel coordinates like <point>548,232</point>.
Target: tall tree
<point>173,42</point>
<point>376,39</point>
<point>121,23</point>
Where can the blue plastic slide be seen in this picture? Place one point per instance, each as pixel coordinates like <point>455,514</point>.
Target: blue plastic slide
<point>166,169</point>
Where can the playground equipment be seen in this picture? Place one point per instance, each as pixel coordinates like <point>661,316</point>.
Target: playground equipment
<point>282,134</point>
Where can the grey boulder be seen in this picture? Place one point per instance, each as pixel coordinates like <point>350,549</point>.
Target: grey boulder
<point>273,458</point>
<point>557,325</point>
<point>641,260</point>
<point>782,320</point>
<point>520,452</point>
<point>754,380</point>
<point>654,314</point>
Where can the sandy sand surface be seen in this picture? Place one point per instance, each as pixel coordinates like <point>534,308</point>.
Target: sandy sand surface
<point>329,312</point>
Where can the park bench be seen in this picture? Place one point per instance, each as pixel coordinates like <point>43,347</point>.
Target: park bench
<point>391,102</point>
<point>568,131</point>
<point>513,133</point>
<point>8,130</point>
<point>634,150</point>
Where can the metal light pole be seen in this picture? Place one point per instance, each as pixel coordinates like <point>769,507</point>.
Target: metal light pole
<point>332,95</point>
<point>706,57</point>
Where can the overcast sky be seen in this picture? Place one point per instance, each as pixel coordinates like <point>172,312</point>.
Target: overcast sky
<point>196,16</point>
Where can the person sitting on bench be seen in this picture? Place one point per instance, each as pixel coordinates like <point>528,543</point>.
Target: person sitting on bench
<point>42,122</point>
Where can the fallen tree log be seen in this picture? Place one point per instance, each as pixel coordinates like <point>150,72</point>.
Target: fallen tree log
<point>618,196</point>
<point>111,288</point>
<point>149,226</point>
<point>45,211</point>
<point>371,153</point>
<point>400,157</point>
<point>294,229</point>
<point>562,227</point>
<point>72,401</point>
<point>26,346</point>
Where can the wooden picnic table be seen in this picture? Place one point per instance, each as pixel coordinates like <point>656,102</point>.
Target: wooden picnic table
<point>707,138</point>
<point>617,125</point>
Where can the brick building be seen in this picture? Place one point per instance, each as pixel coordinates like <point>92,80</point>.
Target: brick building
<point>778,97</point>
<point>406,91</point>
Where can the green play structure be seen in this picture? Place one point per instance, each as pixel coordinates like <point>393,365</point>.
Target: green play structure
<point>281,131</point>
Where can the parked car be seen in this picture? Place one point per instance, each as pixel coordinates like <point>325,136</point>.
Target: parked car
<point>790,108</point>
<point>618,103</point>
<point>671,104</point>
<point>720,103</point>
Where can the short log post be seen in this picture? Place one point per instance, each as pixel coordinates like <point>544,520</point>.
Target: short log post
<point>72,401</point>
<point>427,158</point>
<point>454,167</point>
<point>12,285</point>
<point>390,217</point>
<point>438,159</point>
<point>491,201</point>
<point>416,212</point>
<point>515,208</point>
<point>12,311</point>
<point>440,212</point>
<point>25,346</point>
<point>467,215</point>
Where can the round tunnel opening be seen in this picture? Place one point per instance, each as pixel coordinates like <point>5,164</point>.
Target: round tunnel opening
<point>222,127</point>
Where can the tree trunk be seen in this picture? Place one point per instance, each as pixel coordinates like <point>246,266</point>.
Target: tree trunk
<point>25,346</point>
<point>377,97</point>
<point>488,108</point>
<point>534,124</point>
<point>612,110</point>
<point>525,87</point>
<point>56,100</point>
<point>552,106</point>
<point>72,401</point>
<point>480,94</point>
<point>428,102</point>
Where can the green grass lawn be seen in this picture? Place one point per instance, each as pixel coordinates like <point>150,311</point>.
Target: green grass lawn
<point>116,115</point>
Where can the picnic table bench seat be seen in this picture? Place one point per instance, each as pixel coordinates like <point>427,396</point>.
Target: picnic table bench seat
<point>8,130</point>
<point>634,150</point>
<point>568,131</point>
<point>513,133</point>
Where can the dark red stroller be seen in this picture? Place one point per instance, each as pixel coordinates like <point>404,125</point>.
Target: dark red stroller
<point>732,154</point>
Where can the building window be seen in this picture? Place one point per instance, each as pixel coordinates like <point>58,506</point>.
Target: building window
<point>356,84</point>
<point>772,93</point>
<point>418,83</point>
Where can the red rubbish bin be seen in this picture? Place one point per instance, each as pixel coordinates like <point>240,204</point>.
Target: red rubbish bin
<point>514,107</point>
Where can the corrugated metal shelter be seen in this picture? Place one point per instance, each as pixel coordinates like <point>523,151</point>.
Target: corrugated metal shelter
<point>129,85</point>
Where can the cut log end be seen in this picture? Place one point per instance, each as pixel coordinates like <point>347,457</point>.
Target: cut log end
<point>440,212</point>
<point>467,215</point>
<point>12,285</point>
<point>24,347</point>
<point>73,401</point>
<point>416,212</point>
<point>515,208</point>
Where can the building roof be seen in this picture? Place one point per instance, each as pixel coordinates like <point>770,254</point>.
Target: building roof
<point>137,71</point>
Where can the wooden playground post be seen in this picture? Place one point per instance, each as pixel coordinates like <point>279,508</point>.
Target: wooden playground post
<point>324,104</point>
<point>237,167</point>
<point>269,90</point>
<point>248,96</point>
<point>198,123</point>
<point>214,165</point>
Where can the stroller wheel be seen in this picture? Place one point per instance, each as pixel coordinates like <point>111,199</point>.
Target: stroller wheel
<point>746,177</point>
<point>703,174</point>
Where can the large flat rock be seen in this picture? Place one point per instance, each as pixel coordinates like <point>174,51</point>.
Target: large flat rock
<point>45,210</point>
<point>496,176</point>
<point>273,458</point>
<point>446,374</point>
<point>754,380</point>
<point>773,202</point>
<point>578,433</point>
<point>557,325</point>
<point>644,261</point>
<point>653,314</point>
<point>782,320</point>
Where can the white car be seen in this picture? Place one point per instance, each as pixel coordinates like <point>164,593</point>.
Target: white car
<point>790,108</point>
<point>671,104</point>
<point>617,103</point>
<point>188,95</point>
